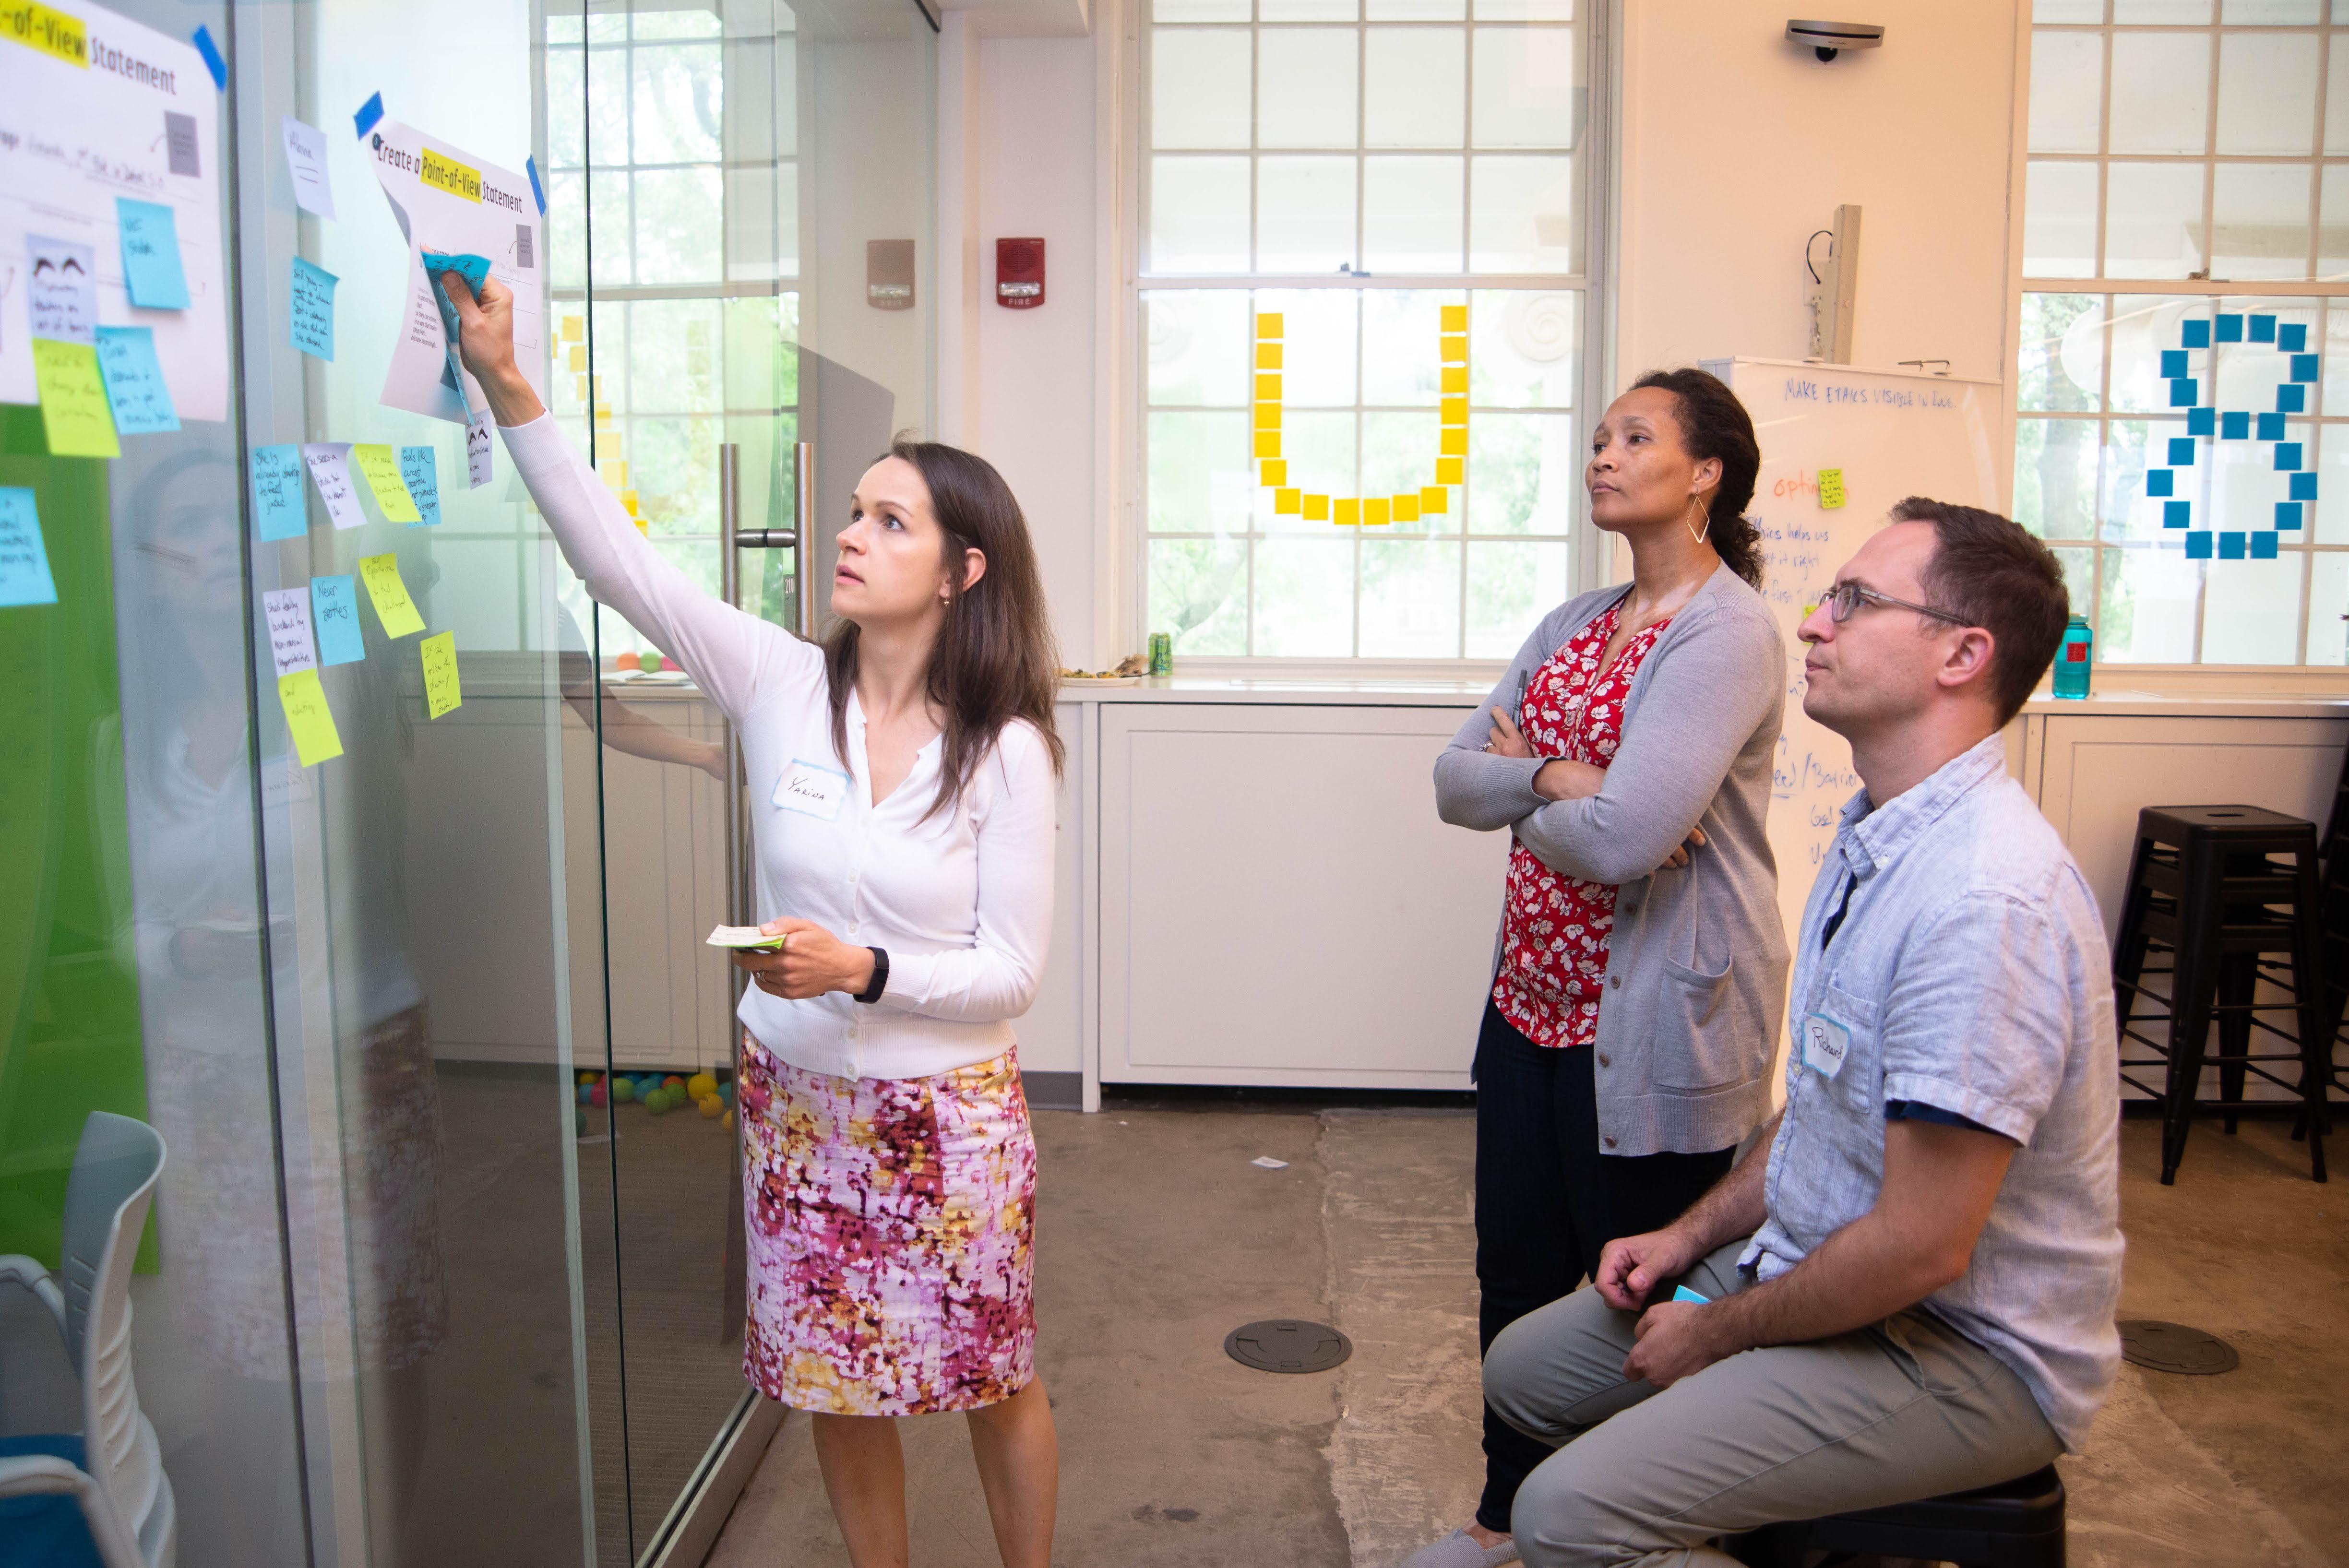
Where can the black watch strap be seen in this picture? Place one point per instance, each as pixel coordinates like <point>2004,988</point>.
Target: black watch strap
<point>871,993</point>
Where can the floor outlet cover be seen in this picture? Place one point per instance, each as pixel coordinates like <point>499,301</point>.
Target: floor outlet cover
<point>1287,1344</point>
<point>2174,1347</point>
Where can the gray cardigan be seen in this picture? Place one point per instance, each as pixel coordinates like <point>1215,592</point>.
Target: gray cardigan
<point>1696,967</point>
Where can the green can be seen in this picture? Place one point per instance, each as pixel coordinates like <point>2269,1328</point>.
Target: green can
<point>1161,654</point>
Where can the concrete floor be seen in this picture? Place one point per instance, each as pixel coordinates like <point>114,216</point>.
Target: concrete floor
<point>1157,1236</point>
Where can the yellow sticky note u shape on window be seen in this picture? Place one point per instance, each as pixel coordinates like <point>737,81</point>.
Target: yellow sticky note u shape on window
<point>1267,443</point>
<point>1288,503</point>
<point>1448,471</point>
<point>1346,512</point>
<point>1374,511</point>
<point>1276,471</point>
<point>1406,508</point>
<point>1267,357</point>
<point>1267,323</point>
<point>1316,508</point>
<point>1434,499</point>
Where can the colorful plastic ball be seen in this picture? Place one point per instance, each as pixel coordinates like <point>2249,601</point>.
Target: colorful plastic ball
<point>587,1077</point>
<point>596,1096</point>
<point>726,1091</point>
<point>624,1089</point>
<point>579,1122</point>
<point>658,1102</point>
<point>651,663</point>
<point>673,1081</point>
<point>729,1121</point>
<point>711,1107</point>
<point>627,662</point>
<point>700,1084</point>
<point>585,1089</point>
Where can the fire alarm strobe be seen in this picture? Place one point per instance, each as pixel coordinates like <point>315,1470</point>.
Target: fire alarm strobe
<point>1019,273</point>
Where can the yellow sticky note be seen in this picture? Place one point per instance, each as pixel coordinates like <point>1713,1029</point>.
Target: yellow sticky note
<point>308,719</point>
<point>1454,349</point>
<point>1434,499</point>
<point>1451,411</point>
<point>579,356</point>
<point>628,500</point>
<point>1267,388</point>
<point>1456,380</point>
<point>1267,357</point>
<point>1317,508</point>
<point>1288,503</point>
<point>614,472</point>
<point>1276,471</point>
<point>1406,508</point>
<point>1448,471</point>
<point>1452,317</point>
<point>1452,440</point>
<point>603,416</point>
<point>573,329</point>
<point>580,390</point>
<point>393,607</point>
<point>1268,416</point>
<point>1346,513</point>
<point>595,384</point>
<point>1374,511</point>
<point>73,409</point>
<point>1267,323</point>
<point>443,690</point>
<point>1267,443</point>
<point>1830,489</point>
<point>380,468</point>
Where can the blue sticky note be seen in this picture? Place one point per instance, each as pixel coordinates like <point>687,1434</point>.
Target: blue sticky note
<point>151,255</point>
<point>2263,329</point>
<point>24,561</point>
<point>369,112</point>
<point>2303,368</point>
<point>2235,427</point>
<point>134,381</point>
<point>213,61</point>
<point>2230,546</point>
<point>2271,427</point>
<point>2181,451</point>
<point>2230,328</point>
<point>2303,487</point>
<point>1683,1293</point>
<point>2193,334</point>
<point>2291,398</point>
<point>2263,546</point>
<point>2292,338</point>
<point>2287,456</point>
<point>311,313</point>
<point>2182,395</point>
<point>2197,545</point>
<point>2173,363</point>
<point>474,270</point>
<point>419,471</point>
<point>334,616</point>
<point>2159,481</point>
<point>2176,514</point>
<point>537,192</point>
<point>2287,514</point>
<point>280,510</point>
<point>2202,421</point>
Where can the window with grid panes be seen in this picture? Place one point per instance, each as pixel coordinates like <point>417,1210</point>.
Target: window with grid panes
<point>672,199</point>
<point>1363,308</point>
<point>2182,432</point>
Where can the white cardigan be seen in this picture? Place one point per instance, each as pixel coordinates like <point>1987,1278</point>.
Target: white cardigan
<point>962,902</point>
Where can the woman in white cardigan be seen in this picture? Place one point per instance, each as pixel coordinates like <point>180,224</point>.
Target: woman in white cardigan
<point>902,775</point>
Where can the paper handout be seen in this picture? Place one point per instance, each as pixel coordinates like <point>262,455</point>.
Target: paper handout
<point>305,160</point>
<point>288,611</point>
<point>442,691</point>
<point>419,471</point>
<point>24,562</point>
<point>393,607</point>
<point>330,471</point>
<point>134,381</point>
<point>151,255</point>
<point>278,510</point>
<point>308,719</point>
<point>335,608</point>
<point>381,469</point>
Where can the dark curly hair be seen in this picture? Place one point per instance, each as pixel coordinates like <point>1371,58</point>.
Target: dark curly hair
<point>1715,424</point>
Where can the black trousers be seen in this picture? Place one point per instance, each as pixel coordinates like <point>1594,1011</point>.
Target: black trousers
<point>1548,1202</point>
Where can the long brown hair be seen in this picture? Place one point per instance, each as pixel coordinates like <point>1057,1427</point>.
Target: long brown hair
<point>995,662</point>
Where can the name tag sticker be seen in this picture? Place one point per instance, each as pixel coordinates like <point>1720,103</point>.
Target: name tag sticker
<point>812,789</point>
<point>1826,1044</point>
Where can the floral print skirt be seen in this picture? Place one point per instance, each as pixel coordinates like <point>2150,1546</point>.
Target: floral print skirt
<point>892,1226</point>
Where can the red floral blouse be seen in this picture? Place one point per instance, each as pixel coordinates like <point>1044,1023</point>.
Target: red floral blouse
<point>1554,928</point>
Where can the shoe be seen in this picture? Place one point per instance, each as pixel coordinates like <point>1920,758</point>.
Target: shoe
<point>1459,1550</point>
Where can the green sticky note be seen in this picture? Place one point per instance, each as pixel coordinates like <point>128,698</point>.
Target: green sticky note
<point>1830,489</point>
<point>442,691</point>
<point>308,719</point>
<point>393,607</point>
<point>381,469</point>
<point>73,409</point>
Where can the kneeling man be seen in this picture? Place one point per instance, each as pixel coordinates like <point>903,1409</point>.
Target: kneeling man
<point>1908,1285</point>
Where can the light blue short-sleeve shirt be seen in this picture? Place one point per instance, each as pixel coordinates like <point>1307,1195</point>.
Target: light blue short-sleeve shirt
<point>1970,973</point>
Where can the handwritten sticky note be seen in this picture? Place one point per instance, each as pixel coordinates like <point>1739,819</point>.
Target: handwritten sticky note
<point>287,612</point>
<point>443,690</point>
<point>477,451</point>
<point>308,719</point>
<point>393,607</point>
<point>420,472</point>
<point>278,511</point>
<point>305,160</point>
<point>151,255</point>
<point>474,270</point>
<point>24,561</point>
<point>134,381</point>
<point>62,293</point>
<point>335,609</point>
<point>381,469</point>
<point>1830,489</point>
<point>73,409</point>
<point>311,310</point>
<point>329,463</point>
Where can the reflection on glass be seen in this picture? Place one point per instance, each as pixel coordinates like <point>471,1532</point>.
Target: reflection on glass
<point>2147,610</point>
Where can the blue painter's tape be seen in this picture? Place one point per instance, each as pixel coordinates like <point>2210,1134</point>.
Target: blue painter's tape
<point>2181,451</point>
<point>2182,395</point>
<point>2230,328</point>
<point>2197,545</point>
<point>2263,546</point>
<point>538,193</point>
<point>2287,459</point>
<point>2202,421</point>
<point>210,52</point>
<point>2173,363</point>
<point>2303,487</point>
<point>2194,334</point>
<point>2287,514</point>
<point>2291,398</point>
<point>2176,514</point>
<point>2292,338</point>
<point>2303,368</point>
<point>2230,546</point>
<point>2263,329</point>
<point>2160,482</point>
<point>2235,427</point>
<point>2271,427</point>
<point>369,112</point>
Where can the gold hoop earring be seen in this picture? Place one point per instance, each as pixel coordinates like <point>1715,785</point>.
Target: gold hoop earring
<point>1704,520</point>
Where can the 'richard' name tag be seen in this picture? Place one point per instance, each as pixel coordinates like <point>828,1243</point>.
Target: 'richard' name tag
<point>1826,1043</point>
<point>812,789</point>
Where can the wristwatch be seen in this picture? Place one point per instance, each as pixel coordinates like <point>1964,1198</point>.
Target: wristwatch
<point>871,993</point>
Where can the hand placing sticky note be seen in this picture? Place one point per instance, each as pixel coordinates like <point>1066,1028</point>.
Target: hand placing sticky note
<point>305,160</point>
<point>381,469</point>
<point>474,270</point>
<point>135,390</point>
<point>278,511</point>
<point>151,255</point>
<point>287,613</point>
<point>393,607</point>
<point>311,309</point>
<point>1830,489</point>
<point>308,719</point>
<point>75,413</point>
<point>24,561</point>
<point>329,463</point>
<point>443,690</point>
<point>420,472</point>
<point>335,611</point>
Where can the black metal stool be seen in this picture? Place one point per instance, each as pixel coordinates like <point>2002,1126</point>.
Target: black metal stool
<point>2205,885</point>
<point>2015,1525</point>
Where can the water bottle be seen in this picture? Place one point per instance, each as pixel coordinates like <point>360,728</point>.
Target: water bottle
<point>2074,659</point>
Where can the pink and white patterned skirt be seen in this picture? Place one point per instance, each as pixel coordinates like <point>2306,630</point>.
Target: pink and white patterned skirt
<point>892,1225</point>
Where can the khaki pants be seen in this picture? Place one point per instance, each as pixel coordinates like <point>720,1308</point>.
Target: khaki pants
<point>1907,1409</point>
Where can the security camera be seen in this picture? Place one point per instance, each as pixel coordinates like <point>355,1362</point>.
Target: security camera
<point>1826,40</point>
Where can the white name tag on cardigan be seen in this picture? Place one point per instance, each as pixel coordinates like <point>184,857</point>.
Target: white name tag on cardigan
<point>1826,1044</point>
<point>812,789</point>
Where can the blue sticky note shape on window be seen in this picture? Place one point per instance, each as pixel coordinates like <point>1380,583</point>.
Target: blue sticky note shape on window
<point>420,472</point>
<point>2293,338</point>
<point>2173,363</point>
<point>2197,545</point>
<point>2194,334</point>
<point>2287,514</point>
<point>2202,421</point>
<point>2287,456</point>
<point>2291,398</point>
<point>2159,481</point>
<point>2263,547</point>
<point>24,560</point>
<point>2264,328</point>
<point>311,312</point>
<point>2303,487</point>
<point>2230,547</point>
<point>2181,451</point>
<point>134,381</point>
<point>2181,394</point>
<point>2230,328</point>
<point>2176,514</point>
<point>2271,427</point>
<point>334,616</point>
<point>2234,427</point>
<point>279,505</point>
<point>151,255</point>
<point>2303,368</point>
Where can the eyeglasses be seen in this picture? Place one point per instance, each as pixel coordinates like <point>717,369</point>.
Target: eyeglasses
<point>1845,597</point>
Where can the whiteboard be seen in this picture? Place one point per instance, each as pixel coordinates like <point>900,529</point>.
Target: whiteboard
<point>1892,434</point>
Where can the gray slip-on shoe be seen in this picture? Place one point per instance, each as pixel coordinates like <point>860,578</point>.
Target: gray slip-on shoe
<point>1459,1550</point>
